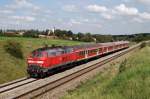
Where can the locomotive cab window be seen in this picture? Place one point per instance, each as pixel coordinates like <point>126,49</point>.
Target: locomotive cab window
<point>37,53</point>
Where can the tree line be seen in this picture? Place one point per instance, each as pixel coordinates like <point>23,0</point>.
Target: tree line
<point>85,37</point>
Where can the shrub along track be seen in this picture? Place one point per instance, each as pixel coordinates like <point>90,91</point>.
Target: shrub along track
<point>44,87</point>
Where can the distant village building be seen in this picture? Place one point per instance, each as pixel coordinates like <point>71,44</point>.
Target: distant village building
<point>70,38</point>
<point>42,36</point>
<point>94,39</point>
<point>9,33</point>
<point>49,37</point>
<point>77,38</point>
<point>20,33</point>
<point>49,32</point>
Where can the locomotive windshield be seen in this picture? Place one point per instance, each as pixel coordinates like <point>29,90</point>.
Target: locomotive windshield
<point>37,54</point>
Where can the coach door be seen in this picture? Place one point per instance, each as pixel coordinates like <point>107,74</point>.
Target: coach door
<point>97,51</point>
<point>86,53</point>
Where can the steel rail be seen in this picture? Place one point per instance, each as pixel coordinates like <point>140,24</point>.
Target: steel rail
<point>16,84</point>
<point>12,82</point>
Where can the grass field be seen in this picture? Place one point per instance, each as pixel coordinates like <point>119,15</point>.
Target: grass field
<point>12,68</point>
<point>132,83</point>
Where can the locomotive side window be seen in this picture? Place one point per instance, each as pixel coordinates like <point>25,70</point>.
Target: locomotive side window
<point>68,50</point>
<point>51,53</point>
<point>55,52</point>
<point>60,51</point>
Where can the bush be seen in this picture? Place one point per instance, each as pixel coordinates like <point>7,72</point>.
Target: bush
<point>148,43</point>
<point>143,44</point>
<point>30,34</point>
<point>14,48</point>
<point>122,66</point>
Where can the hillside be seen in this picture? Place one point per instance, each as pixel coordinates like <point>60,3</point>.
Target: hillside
<point>12,68</point>
<point>132,83</point>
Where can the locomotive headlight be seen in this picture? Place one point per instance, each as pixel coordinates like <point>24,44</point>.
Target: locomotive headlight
<point>39,62</point>
<point>35,62</point>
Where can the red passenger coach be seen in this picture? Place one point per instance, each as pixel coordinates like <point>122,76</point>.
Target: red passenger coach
<point>44,60</point>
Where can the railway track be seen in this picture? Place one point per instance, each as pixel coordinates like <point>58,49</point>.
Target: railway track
<point>16,83</point>
<point>32,88</point>
<point>13,82</point>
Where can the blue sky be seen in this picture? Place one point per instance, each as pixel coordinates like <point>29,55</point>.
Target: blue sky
<point>95,16</point>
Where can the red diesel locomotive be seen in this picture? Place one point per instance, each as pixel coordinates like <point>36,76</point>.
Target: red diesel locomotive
<point>42,61</point>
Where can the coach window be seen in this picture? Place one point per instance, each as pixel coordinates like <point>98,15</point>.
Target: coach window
<point>96,50</point>
<point>100,50</point>
<point>81,53</point>
<point>91,51</point>
<point>87,51</point>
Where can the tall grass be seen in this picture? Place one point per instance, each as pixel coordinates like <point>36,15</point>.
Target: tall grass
<point>133,82</point>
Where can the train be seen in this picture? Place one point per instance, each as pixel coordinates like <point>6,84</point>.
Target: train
<point>43,61</point>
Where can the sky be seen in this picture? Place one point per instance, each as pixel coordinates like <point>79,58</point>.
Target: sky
<point>95,16</point>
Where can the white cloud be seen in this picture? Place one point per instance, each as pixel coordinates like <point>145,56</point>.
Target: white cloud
<point>137,20</point>
<point>145,15</point>
<point>23,18</point>
<point>105,12</point>
<point>18,4</point>
<point>48,11</point>
<point>106,16</point>
<point>96,8</point>
<point>23,2</point>
<point>124,10</point>
<point>85,20</point>
<point>144,1</point>
<point>126,1</point>
<point>73,21</point>
<point>131,11</point>
<point>70,8</point>
<point>6,11</point>
<point>98,25</point>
